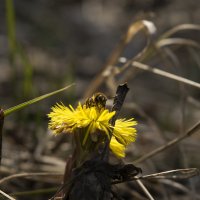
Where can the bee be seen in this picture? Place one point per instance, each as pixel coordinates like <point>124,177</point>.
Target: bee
<point>97,100</point>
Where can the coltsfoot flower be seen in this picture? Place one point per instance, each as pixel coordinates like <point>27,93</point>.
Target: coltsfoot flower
<point>93,120</point>
<point>68,119</point>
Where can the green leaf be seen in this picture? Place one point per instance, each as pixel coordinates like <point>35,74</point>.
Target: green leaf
<point>27,103</point>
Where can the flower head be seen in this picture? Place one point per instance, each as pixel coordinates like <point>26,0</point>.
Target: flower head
<point>67,119</point>
<point>93,119</point>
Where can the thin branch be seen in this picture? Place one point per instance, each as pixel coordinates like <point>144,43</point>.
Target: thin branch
<point>174,174</point>
<point>178,186</point>
<point>121,92</point>
<point>177,41</point>
<point>144,189</point>
<point>131,32</point>
<point>8,178</point>
<point>171,174</point>
<point>182,27</point>
<point>6,195</point>
<point>194,129</point>
<point>120,96</point>
<point>35,192</point>
<point>165,74</point>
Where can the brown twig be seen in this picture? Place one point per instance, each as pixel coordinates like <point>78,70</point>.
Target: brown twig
<point>121,93</point>
<point>27,175</point>
<point>131,32</point>
<point>144,189</point>
<point>180,187</point>
<point>165,74</point>
<point>6,195</point>
<point>120,96</point>
<point>190,132</point>
<point>171,174</point>
<point>182,27</point>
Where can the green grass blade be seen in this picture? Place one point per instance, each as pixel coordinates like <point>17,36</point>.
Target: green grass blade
<point>27,103</point>
<point>10,18</point>
<point>28,71</point>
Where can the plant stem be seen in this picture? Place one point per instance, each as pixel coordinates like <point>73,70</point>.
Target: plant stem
<point>120,96</point>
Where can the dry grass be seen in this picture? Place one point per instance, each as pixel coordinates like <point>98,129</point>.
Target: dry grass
<point>167,112</point>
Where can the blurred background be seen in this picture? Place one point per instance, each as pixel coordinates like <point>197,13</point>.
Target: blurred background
<point>46,45</point>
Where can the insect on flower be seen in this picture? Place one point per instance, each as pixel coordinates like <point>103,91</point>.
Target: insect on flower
<point>97,100</point>
<point>90,123</point>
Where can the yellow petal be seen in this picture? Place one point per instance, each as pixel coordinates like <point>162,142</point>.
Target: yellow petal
<point>124,131</point>
<point>117,148</point>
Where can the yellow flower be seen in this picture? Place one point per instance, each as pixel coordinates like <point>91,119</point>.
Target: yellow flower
<point>117,148</point>
<point>123,134</point>
<point>93,120</point>
<point>66,119</point>
<point>62,118</point>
